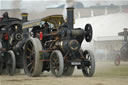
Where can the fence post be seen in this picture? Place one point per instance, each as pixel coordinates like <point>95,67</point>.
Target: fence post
<point>92,12</point>
<point>106,10</point>
<point>120,8</point>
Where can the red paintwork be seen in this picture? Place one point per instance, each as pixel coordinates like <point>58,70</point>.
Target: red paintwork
<point>41,35</point>
<point>6,36</point>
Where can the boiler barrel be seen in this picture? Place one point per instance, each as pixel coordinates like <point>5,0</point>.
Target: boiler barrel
<point>77,32</point>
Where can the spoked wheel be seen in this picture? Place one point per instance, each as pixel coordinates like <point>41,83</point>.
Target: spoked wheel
<point>57,63</point>
<point>11,63</point>
<point>68,70</point>
<point>117,60</point>
<point>1,64</point>
<point>89,64</point>
<point>1,67</point>
<point>32,63</point>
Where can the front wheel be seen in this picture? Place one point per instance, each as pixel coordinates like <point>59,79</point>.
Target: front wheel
<point>57,63</point>
<point>89,64</point>
<point>1,68</point>
<point>68,70</point>
<point>11,63</point>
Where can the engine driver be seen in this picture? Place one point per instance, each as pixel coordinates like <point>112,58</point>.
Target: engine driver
<point>47,29</point>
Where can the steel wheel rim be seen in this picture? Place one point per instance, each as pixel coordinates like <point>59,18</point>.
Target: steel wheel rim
<point>1,67</point>
<point>29,57</point>
<point>88,68</point>
<point>9,63</point>
<point>55,63</point>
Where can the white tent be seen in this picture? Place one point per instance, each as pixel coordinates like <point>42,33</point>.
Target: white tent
<point>105,25</point>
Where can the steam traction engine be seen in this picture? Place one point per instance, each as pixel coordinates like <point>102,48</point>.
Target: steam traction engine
<point>123,53</point>
<point>55,45</point>
<point>11,51</point>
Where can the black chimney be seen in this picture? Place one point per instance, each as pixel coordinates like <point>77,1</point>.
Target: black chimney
<point>24,17</point>
<point>70,17</point>
<point>125,34</point>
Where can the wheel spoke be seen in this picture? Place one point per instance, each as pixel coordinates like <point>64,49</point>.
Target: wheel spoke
<point>28,57</point>
<point>31,69</point>
<point>88,71</point>
<point>54,67</point>
<point>31,45</point>
<point>55,60</point>
<point>29,50</point>
<point>30,64</point>
<point>90,67</point>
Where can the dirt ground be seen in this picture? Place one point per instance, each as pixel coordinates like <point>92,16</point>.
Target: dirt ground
<point>106,74</point>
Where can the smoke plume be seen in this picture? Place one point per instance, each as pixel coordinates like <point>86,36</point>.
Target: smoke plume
<point>68,3</point>
<point>16,4</point>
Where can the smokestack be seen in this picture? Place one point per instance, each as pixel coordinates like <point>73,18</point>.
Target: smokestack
<point>125,34</point>
<point>70,17</point>
<point>24,17</point>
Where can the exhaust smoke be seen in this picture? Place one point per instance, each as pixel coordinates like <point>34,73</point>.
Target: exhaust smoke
<point>68,3</point>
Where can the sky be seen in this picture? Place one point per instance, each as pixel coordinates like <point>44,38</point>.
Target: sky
<point>55,3</point>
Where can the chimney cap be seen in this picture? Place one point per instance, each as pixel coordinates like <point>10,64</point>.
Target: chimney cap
<point>68,8</point>
<point>24,14</point>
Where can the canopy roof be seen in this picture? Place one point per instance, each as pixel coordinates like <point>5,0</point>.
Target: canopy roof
<point>56,20</point>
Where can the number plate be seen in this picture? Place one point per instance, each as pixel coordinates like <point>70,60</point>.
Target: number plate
<point>75,63</point>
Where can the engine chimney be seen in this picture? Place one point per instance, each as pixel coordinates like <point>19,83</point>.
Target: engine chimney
<point>24,17</point>
<point>125,34</point>
<point>70,17</point>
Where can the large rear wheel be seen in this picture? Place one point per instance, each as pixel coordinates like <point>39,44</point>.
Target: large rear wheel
<point>57,63</point>
<point>32,63</point>
<point>89,64</point>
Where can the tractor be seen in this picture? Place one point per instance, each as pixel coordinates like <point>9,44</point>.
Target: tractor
<point>122,54</point>
<point>11,44</point>
<point>54,45</point>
